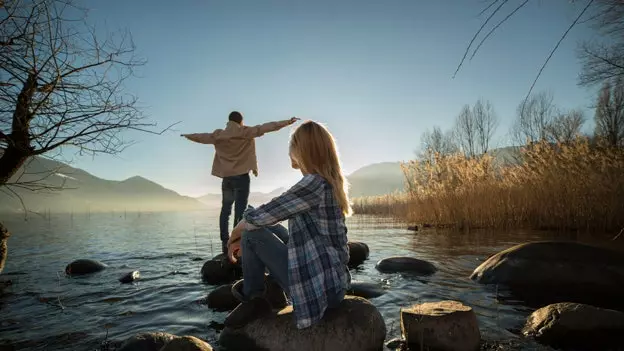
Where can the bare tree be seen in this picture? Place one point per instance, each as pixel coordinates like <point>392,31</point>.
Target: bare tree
<point>475,127</point>
<point>466,131</point>
<point>437,142</point>
<point>486,123</point>
<point>61,85</point>
<point>565,127</point>
<point>535,115</point>
<point>604,60</point>
<point>609,115</point>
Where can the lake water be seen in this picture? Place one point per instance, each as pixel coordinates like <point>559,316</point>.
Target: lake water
<point>45,310</point>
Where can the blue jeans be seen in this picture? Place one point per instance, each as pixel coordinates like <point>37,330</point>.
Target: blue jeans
<point>265,249</point>
<point>234,191</point>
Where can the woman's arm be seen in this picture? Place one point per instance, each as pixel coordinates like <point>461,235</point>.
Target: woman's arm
<point>302,197</point>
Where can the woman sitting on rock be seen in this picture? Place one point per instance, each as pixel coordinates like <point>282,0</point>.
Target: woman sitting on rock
<point>311,266</point>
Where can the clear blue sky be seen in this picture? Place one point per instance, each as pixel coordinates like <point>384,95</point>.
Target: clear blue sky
<point>377,73</point>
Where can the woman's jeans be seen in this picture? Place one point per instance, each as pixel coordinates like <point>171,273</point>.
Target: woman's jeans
<point>265,249</point>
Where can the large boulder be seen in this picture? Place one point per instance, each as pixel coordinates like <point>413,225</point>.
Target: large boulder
<point>356,325</point>
<point>553,271</point>
<point>151,341</point>
<point>358,253</point>
<point>84,266</point>
<point>577,326</point>
<point>187,343</point>
<point>400,264</point>
<point>443,326</point>
<point>219,270</point>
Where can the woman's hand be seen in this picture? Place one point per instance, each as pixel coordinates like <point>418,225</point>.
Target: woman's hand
<point>237,232</point>
<point>233,251</point>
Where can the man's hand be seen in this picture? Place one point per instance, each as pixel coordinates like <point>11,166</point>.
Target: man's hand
<point>255,172</point>
<point>293,120</point>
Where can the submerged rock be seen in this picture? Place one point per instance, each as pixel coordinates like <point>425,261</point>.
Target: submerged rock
<point>187,343</point>
<point>130,277</point>
<point>552,271</point>
<point>356,325</point>
<point>443,325</point>
<point>399,264</point>
<point>84,266</point>
<point>220,270</point>
<point>366,290</point>
<point>151,341</point>
<point>358,253</point>
<point>578,326</point>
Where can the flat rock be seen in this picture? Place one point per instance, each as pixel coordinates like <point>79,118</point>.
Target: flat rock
<point>578,326</point>
<point>151,341</point>
<point>443,325</point>
<point>555,271</point>
<point>356,325</point>
<point>358,253</point>
<point>84,266</point>
<point>187,343</point>
<point>400,264</point>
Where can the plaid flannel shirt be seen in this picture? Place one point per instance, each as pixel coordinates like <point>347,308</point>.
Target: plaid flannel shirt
<point>317,246</point>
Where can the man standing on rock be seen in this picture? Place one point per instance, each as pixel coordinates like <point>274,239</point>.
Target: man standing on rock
<point>235,157</point>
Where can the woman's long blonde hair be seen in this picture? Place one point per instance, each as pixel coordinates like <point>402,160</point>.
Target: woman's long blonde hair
<point>314,150</point>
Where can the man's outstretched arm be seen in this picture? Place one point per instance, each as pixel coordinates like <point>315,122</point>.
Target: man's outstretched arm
<point>202,138</point>
<point>261,129</point>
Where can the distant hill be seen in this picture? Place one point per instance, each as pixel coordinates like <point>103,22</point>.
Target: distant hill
<point>387,177</point>
<point>376,179</point>
<point>83,192</point>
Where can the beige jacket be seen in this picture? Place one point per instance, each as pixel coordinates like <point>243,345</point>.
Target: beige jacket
<point>235,147</point>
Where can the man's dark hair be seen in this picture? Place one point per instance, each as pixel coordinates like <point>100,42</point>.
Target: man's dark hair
<point>236,116</point>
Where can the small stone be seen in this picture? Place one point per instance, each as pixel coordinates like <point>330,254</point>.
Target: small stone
<point>187,343</point>
<point>130,277</point>
<point>443,325</point>
<point>153,341</point>
<point>395,343</point>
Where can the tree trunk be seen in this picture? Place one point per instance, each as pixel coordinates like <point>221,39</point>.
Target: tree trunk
<point>4,236</point>
<point>18,149</point>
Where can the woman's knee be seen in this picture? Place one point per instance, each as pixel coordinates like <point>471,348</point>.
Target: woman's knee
<point>250,236</point>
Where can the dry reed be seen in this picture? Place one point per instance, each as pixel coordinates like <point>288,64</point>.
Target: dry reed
<point>574,186</point>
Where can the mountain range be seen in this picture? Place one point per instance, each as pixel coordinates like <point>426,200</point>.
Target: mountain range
<point>84,192</point>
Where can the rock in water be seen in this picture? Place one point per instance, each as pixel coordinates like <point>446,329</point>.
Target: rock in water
<point>187,343</point>
<point>221,299</point>
<point>147,342</point>
<point>130,277</point>
<point>84,266</point>
<point>400,264</point>
<point>443,325</point>
<point>220,270</point>
<point>555,271</point>
<point>366,290</point>
<point>356,325</point>
<point>358,253</point>
<point>576,326</point>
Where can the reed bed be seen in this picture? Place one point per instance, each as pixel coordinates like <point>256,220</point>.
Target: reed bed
<point>574,186</point>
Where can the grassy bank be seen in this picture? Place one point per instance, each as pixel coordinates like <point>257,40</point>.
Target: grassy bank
<point>574,186</point>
